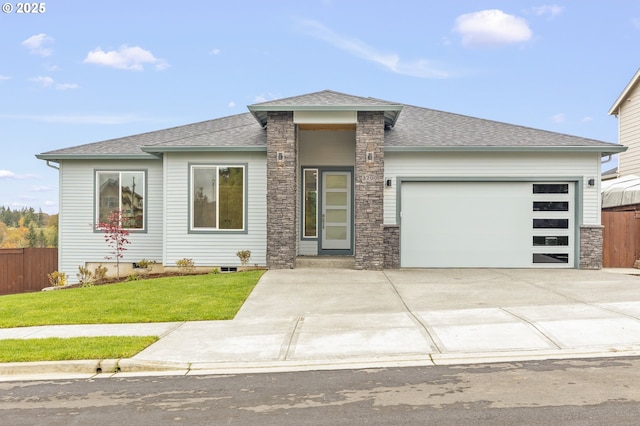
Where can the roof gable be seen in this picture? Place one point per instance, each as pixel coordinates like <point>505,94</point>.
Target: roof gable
<point>327,100</point>
<point>615,109</point>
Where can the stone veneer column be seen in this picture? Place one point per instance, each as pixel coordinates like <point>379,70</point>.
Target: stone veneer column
<point>591,246</point>
<point>391,247</point>
<point>369,191</point>
<point>281,191</point>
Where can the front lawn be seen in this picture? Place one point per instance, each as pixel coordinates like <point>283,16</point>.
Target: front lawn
<point>74,348</point>
<point>176,298</point>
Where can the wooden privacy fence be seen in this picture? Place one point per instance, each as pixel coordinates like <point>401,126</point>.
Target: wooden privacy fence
<point>621,235</point>
<point>25,269</point>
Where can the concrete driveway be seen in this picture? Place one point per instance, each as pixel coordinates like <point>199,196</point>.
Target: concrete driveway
<point>316,317</point>
<point>337,318</point>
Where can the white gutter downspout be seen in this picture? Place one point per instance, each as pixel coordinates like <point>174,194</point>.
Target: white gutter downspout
<point>53,167</point>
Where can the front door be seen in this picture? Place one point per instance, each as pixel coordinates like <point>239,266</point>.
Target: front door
<point>335,218</point>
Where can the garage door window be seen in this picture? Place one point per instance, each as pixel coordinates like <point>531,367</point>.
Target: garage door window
<point>550,188</point>
<point>550,258</point>
<point>558,240</point>
<point>550,206</point>
<point>552,223</point>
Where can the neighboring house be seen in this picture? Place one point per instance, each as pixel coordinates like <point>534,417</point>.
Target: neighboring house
<point>326,173</point>
<point>627,109</point>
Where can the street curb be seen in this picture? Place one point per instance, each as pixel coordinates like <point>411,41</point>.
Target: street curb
<point>133,367</point>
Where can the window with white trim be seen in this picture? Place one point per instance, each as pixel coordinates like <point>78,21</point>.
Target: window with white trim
<point>123,191</point>
<point>217,197</point>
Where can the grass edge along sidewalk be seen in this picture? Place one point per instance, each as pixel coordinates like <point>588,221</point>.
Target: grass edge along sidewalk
<point>167,299</point>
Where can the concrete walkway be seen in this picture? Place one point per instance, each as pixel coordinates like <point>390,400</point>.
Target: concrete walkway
<point>307,319</point>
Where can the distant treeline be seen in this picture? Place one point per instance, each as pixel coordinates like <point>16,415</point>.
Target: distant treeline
<point>27,228</point>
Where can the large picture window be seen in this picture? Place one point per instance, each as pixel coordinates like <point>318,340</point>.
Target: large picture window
<point>124,191</point>
<point>217,197</point>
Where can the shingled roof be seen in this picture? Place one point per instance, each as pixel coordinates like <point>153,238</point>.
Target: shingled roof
<point>410,128</point>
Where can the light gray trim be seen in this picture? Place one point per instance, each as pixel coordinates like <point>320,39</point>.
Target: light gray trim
<point>57,157</point>
<point>152,149</point>
<point>245,198</point>
<point>145,229</point>
<point>614,110</point>
<point>578,197</point>
<point>602,149</point>
<point>260,111</point>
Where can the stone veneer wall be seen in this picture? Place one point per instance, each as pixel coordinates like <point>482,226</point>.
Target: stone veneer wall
<point>281,191</point>
<point>369,191</point>
<point>391,246</point>
<point>591,246</point>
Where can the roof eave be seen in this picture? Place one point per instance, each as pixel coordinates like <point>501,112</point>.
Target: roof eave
<point>57,157</point>
<point>614,149</point>
<point>616,106</point>
<point>156,149</point>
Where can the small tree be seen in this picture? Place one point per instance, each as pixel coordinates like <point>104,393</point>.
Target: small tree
<point>115,236</point>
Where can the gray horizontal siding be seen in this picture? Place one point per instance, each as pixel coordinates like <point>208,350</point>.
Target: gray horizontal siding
<point>219,248</point>
<point>78,242</point>
<point>629,128</point>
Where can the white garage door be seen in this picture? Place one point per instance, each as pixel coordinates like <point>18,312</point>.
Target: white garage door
<point>487,224</point>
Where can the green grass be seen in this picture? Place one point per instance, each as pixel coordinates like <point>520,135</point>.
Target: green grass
<point>177,298</point>
<point>75,348</point>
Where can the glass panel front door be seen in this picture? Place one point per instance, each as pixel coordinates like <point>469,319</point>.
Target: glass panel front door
<point>336,210</point>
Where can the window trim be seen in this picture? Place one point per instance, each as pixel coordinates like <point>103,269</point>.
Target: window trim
<point>96,196</point>
<point>317,171</point>
<point>245,170</point>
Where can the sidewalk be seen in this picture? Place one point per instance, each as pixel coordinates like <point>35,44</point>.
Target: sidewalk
<point>307,319</point>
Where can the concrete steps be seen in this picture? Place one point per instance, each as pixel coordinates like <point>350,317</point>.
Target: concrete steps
<point>328,262</point>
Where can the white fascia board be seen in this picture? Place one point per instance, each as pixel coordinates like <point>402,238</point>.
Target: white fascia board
<point>325,117</point>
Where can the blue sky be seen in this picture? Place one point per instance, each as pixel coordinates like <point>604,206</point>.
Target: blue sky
<point>85,71</point>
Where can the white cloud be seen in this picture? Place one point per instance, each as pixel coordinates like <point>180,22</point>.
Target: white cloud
<point>66,86</point>
<point>43,81</point>
<point>4,77</point>
<point>635,22</point>
<point>587,119</point>
<point>214,52</point>
<point>551,10</point>
<point>41,188</point>
<point>7,174</point>
<point>559,118</point>
<point>49,82</point>
<point>232,104</point>
<point>126,58</point>
<point>36,44</point>
<point>491,28</point>
<point>420,68</point>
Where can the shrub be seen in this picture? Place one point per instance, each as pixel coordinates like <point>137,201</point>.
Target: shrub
<point>99,274</point>
<point>186,266</point>
<point>85,276</point>
<point>146,265</point>
<point>244,256</point>
<point>57,278</point>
